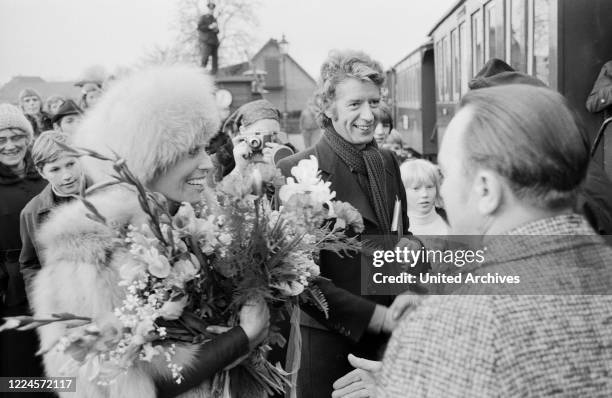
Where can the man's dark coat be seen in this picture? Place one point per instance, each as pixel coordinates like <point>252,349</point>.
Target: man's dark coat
<point>325,349</point>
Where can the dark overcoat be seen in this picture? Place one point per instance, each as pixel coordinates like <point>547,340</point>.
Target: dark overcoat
<point>17,349</point>
<point>327,342</point>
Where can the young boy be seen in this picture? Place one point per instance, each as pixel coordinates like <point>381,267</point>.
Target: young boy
<point>65,175</point>
<point>67,118</point>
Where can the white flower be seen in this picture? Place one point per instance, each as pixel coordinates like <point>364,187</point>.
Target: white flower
<point>144,327</point>
<point>314,269</point>
<point>148,352</point>
<point>185,219</point>
<point>173,309</point>
<point>158,265</point>
<point>138,340</point>
<point>296,288</point>
<point>225,239</point>
<point>306,181</point>
<point>307,171</point>
<point>188,268</point>
<point>131,270</point>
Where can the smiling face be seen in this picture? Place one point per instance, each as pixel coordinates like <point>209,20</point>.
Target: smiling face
<point>31,105</point>
<point>187,178</point>
<point>13,147</point>
<point>65,174</point>
<point>354,110</point>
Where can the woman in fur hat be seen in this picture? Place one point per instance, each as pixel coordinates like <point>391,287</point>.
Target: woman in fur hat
<point>160,122</point>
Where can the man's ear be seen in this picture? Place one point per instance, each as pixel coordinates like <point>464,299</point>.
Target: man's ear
<point>489,190</point>
<point>57,127</point>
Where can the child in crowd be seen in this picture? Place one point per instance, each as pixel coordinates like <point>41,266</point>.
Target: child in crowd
<point>385,124</point>
<point>421,179</point>
<point>65,175</point>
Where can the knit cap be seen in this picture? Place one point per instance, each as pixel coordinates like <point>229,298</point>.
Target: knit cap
<point>12,117</point>
<point>29,92</point>
<point>254,111</point>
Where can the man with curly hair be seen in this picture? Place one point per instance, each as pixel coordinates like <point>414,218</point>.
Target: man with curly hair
<point>369,178</point>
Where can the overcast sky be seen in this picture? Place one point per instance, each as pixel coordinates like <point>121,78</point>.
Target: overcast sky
<point>59,39</point>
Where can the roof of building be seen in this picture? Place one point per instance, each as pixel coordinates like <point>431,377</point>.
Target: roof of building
<point>10,91</point>
<point>242,67</point>
<point>274,42</point>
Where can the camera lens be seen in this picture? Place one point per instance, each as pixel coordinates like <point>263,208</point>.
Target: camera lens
<point>255,142</point>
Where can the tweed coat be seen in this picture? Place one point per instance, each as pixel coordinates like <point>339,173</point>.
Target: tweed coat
<point>511,340</point>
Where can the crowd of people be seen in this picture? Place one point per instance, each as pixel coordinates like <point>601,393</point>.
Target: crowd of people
<point>513,164</point>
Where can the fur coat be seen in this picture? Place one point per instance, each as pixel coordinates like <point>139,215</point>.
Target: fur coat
<point>79,275</point>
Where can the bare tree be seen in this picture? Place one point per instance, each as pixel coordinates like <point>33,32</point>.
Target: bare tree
<point>237,23</point>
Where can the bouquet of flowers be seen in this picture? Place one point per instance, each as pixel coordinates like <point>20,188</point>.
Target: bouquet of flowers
<point>196,267</point>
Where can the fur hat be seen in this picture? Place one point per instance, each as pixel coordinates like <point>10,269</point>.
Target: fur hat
<point>13,117</point>
<point>151,119</point>
<point>29,92</point>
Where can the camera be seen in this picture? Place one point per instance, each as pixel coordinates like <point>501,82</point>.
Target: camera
<point>257,142</point>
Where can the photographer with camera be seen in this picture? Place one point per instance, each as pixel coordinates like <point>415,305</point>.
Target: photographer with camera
<point>257,135</point>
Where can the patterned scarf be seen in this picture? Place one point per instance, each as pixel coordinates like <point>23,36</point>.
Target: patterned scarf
<point>368,164</point>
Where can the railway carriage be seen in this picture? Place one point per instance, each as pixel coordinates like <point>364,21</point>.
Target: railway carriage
<point>414,101</point>
<point>564,43</point>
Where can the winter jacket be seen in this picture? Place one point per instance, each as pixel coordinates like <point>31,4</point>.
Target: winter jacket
<point>15,192</point>
<point>32,216</point>
<point>207,35</point>
<point>17,349</point>
<point>80,275</point>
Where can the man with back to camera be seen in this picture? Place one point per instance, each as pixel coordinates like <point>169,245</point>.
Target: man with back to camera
<point>369,179</point>
<point>544,335</point>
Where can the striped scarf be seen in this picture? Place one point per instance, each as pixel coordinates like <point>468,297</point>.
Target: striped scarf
<point>368,164</point>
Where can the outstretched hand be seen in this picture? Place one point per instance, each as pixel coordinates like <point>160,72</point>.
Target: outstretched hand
<point>360,382</point>
<point>400,305</point>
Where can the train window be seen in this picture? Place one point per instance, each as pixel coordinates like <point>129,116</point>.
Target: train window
<point>447,70</point>
<point>439,57</point>
<point>465,57</point>
<point>541,40</point>
<point>518,35</point>
<point>477,43</point>
<point>492,31</point>
<point>456,66</point>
